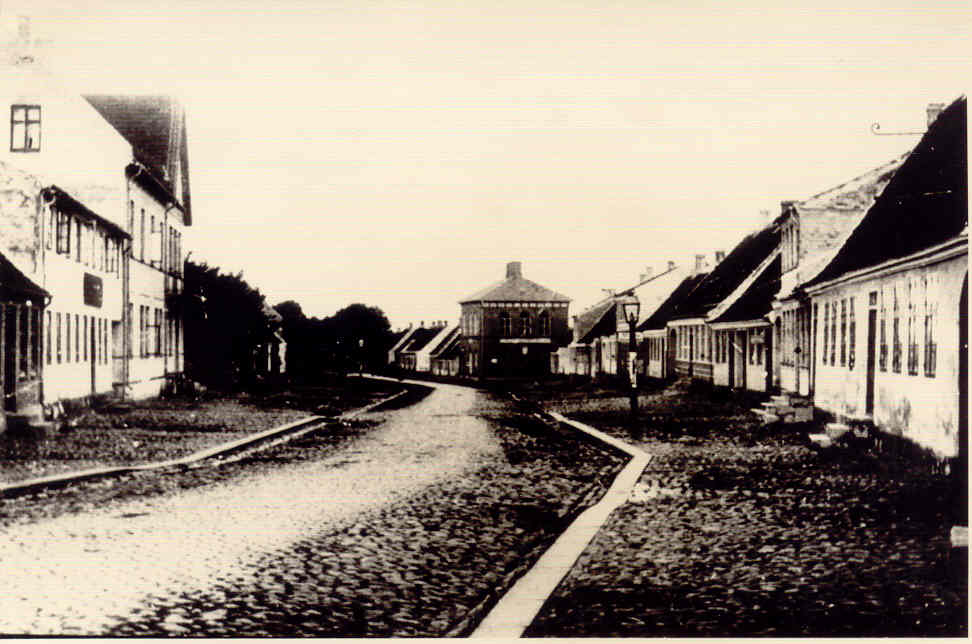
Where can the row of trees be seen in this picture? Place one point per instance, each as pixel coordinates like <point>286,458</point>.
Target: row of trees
<point>231,331</point>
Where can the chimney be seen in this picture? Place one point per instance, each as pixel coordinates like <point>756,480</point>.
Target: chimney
<point>646,275</point>
<point>934,110</point>
<point>671,265</point>
<point>719,256</point>
<point>514,269</point>
<point>699,262</point>
<point>421,324</point>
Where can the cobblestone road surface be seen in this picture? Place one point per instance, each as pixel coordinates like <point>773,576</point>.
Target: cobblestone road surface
<point>93,573</point>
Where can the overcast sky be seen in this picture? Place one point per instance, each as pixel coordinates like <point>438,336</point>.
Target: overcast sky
<point>400,153</point>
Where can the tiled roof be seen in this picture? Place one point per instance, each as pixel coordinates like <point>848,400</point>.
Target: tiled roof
<point>420,338</point>
<point>445,340</point>
<point>156,128</point>
<point>925,204</point>
<point>730,272</point>
<point>666,309</point>
<point>757,300</point>
<point>515,289</point>
<point>450,348</point>
<point>596,321</point>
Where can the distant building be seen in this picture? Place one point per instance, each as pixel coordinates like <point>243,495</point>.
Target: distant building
<point>413,354</point>
<point>511,328</point>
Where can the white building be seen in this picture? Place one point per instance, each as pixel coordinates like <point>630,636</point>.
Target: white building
<point>94,198</point>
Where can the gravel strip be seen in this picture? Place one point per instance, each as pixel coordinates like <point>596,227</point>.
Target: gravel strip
<point>135,433</point>
<point>736,529</point>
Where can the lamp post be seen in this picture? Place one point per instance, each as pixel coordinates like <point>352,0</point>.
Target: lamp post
<point>629,307</point>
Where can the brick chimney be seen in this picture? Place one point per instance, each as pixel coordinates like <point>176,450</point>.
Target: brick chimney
<point>514,269</point>
<point>671,265</point>
<point>699,263</point>
<point>719,256</point>
<point>646,275</point>
<point>934,110</point>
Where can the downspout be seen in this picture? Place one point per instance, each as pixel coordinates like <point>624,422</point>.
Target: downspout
<point>165,291</point>
<point>45,204</point>
<point>127,287</point>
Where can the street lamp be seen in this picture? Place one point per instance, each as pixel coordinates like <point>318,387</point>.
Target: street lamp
<point>629,308</point>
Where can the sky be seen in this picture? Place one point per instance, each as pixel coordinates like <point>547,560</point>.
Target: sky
<point>399,154</point>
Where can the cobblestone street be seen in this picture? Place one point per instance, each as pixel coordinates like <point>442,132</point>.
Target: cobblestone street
<point>384,536</point>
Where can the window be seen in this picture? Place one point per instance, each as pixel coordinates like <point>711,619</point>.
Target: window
<point>833,334</point>
<point>851,336</point>
<point>63,233</point>
<point>912,329</point>
<point>895,332</point>
<point>931,307</point>
<point>158,332</point>
<point>543,324</point>
<point>25,122</point>
<point>525,324</point>
<point>883,340</point>
<point>84,341</point>
<point>67,337</point>
<point>505,324</point>
<point>843,332</point>
<point>77,240</point>
<point>47,337</point>
<point>141,238</point>
<point>826,329</point>
<point>77,337</point>
<point>58,335</point>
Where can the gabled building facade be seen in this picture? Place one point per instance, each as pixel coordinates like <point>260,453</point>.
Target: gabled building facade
<point>890,307</point>
<point>66,179</point>
<point>512,328</point>
<point>812,231</point>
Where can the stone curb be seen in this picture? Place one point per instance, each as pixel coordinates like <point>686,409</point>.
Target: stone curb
<point>283,433</point>
<point>519,606</point>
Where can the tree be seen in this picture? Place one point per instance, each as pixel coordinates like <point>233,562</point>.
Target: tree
<point>227,326</point>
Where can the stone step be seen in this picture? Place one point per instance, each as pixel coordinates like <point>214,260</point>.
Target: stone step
<point>821,440</point>
<point>767,416</point>
<point>836,430</point>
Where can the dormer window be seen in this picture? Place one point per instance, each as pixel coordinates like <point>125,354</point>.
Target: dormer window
<point>25,123</point>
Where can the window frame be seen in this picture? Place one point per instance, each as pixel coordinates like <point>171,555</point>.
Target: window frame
<point>26,123</point>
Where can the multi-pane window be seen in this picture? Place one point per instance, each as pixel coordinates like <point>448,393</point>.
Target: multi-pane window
<point>833,333</point>
<point>843,332</point>
<point>895,331</point>
<point>77,337</point>
<point>506,329</point>
<point>543,322</point>
<point>63,233</point>
<point>851,335</point>
<point>912,329</point>
<point>931,309</point>
<point>524,324</point>
<point>58,336</point>
<point>826,331</point>
<point>25,124</point>
<point>883,342</point>
<point>67,337</point>
<point>47,337</point>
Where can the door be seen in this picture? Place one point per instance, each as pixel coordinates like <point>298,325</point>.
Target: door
<point>869,391</point>
<point>739,351</point>
<point>668,369</point>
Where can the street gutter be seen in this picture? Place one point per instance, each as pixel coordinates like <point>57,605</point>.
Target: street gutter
<point>520,605</point>
<point>260,440</point>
